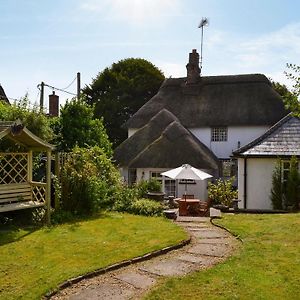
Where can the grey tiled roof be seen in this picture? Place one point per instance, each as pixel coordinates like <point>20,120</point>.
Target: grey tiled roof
<point>283,139</point>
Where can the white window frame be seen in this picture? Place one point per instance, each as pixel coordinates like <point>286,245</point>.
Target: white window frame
<point>219,134</point>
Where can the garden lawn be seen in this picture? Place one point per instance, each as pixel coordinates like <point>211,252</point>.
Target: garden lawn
<point>266,266</point>
<point>32,262</point>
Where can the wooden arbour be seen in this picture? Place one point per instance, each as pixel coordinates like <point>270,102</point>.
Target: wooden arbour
<point>17,189</point>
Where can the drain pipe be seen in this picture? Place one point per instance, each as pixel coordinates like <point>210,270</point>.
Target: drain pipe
<point>245,182</point>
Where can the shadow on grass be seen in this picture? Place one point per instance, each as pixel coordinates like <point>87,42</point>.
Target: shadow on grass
<point>11,231</point>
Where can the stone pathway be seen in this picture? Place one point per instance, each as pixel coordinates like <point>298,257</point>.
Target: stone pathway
<point>209,245</point>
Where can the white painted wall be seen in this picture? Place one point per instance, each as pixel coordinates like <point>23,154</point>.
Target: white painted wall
<point>199,190</point>
<point>242,134</point>
<point>259,182</point>
<point>240,176</point>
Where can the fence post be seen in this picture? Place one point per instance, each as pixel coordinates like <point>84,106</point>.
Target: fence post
<point>48,187</point>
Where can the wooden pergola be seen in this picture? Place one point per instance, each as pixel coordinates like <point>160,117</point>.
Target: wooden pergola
<point>17,188</point>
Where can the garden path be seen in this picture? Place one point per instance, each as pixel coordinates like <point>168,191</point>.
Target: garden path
<point>209,246</point>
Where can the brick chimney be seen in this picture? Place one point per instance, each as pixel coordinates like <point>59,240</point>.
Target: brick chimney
<point>53,105</point>
<point>193,70</point>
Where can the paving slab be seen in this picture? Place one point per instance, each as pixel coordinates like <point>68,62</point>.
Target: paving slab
<point>222,241</point>
<point>192,219</point>
<point>138,280</point>
<point>108,291</point>
<point>197,228</point>
<point>209,250</point>
<point>196,259</point>
<point>169,267</point>
<point>215,213</point>
<point>209,234</point>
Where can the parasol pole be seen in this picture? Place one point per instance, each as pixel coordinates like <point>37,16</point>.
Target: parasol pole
<point>185,189</point>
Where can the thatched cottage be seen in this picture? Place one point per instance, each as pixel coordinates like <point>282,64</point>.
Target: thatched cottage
<point>199,120</point>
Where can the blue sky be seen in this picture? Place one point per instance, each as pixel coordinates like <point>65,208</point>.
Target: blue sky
<point>51,41</point>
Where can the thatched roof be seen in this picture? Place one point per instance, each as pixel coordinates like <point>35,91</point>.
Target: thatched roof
<point>215,101</point>
<point>164,143</point>
<point>282,139</point>
<point>3,96</point>
<point>132,146</point>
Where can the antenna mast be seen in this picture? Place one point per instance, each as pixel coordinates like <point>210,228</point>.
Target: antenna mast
<point>204,22</point>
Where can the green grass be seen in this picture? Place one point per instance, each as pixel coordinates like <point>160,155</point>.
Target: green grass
<point>34,261</point>
<point>266,266</point>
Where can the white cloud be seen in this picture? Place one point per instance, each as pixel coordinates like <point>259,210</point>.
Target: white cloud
<point>226,53</point>
<point>171,69</point>
<point>134,12</point>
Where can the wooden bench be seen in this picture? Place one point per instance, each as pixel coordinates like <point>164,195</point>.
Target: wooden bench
<point>16,196</point>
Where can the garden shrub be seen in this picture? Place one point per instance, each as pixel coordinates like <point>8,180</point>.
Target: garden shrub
<point>276,190</point>
<point>130,199</point>
<point>125,198</point>
<point>89,181</point>
<point>222,192</point>
<point>146,207</point>
<point>293,185</point>
<point>145,186</point>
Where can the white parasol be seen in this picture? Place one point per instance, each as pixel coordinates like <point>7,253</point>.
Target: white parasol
<point>186,172</point>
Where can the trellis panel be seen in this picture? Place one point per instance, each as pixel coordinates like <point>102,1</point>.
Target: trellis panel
<point>13,168</point>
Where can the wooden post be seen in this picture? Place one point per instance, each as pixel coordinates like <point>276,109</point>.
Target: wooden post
<point>48,187</point>
<point>57,174</point>
<point>29,166</point>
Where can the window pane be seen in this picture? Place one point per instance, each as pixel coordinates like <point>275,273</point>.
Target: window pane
<point>219,134</point>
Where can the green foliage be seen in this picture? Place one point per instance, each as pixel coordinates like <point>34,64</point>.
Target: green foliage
<point>89,181</point>
<point>124,199</point>
<point>119,91</point>
<point>79,128</point>
<point>146,207</point>
<point>60,216</point>
<point>276,190</point>
<point>289,98</point>
<point>130,199</point>
<point>145,186</point>
<point>293,74</point>
<point>222,192</point>
<point>32,118</point>
<point>293,185</point>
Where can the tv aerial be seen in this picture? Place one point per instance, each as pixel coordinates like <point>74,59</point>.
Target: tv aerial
<point>202,24</point>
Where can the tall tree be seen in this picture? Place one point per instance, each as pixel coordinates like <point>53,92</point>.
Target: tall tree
<point>293,73</point>
<point>78,127</point>
<point>119,91</point>
<point>289,98</point>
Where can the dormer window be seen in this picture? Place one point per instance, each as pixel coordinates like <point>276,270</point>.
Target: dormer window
<point>219,134</point>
